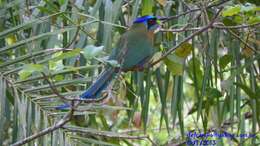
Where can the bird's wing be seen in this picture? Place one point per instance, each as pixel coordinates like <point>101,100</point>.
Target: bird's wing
<point>133,48</point>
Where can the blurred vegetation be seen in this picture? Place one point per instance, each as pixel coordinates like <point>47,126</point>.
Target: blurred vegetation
<point>53,49</point>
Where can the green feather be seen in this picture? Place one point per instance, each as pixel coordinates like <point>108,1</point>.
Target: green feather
<point>133,48</point>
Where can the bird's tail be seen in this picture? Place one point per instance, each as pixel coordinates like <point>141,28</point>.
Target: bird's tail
<point>97,87</point>
<point>100,84</point>
<point>62,107</point>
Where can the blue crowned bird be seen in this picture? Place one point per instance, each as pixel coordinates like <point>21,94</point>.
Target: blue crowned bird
<point>132,51</point>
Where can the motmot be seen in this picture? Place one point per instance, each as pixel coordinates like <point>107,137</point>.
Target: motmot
<point>133,50</point>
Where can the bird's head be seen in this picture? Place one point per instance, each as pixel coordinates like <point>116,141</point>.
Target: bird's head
<point>151,22</point>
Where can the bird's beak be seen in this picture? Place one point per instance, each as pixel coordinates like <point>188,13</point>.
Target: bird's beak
<point>159,23</point>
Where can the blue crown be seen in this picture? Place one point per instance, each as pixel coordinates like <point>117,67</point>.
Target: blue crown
<point>143,18</point>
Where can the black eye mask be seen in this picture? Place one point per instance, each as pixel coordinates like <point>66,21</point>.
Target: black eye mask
<point>151,22</point>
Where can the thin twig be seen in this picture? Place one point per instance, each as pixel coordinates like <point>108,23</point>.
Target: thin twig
<point>192,10</point>
<point>222,26</point>
<point>216,25</point>
<point>52,86</point>
<point>168,52</point>
<point>101,21</point>
<point>150,139</point>
<point>241,40</point>
<point>180,29</point>
<point>74,38</point>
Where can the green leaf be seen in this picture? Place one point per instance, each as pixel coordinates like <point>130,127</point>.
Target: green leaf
<point>70,54</point>
<point>228,21</point>
<point>56,65</point>
<point>224,61</point>
<point>28,69</point>
<point>147,7</point>
<point>59,78</point>
<point>197,70</point>
<point>175,61</point>
<point>44,9</point>
<point>238,19</point>
<point>213,93</point>
<point>24,74</point>
<point>174,64</point>
<point>253,20</point>
<point>230,11</point>
<point>92,51</point>
<point>34,67</point>
<point>62,2</point>
<point>184,50</point>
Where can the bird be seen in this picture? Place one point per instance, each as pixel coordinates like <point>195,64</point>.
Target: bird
<point>133,49</point>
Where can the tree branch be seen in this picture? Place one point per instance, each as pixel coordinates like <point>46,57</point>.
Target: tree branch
<point>205,28</point>
<point>241,40</point>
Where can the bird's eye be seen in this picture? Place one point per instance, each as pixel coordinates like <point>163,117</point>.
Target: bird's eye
<point>151,22</point>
